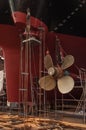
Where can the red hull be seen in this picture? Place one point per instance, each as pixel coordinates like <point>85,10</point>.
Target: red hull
<point>10,42</point>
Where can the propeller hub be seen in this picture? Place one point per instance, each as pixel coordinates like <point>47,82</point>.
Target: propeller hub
<point>51,71</point>
<point>59,72</point>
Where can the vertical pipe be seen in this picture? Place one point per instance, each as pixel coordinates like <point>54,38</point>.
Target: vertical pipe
<point>40,68</point>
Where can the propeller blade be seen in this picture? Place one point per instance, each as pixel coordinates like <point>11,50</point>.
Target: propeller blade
<point>48,61</point>
<point>47,83</point>
<point>67,62</point>
<point>65,84</point>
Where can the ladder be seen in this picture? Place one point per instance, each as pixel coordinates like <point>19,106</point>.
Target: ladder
<point>24,77</point>
<point>25,57</point>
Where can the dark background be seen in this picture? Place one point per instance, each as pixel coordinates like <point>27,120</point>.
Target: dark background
<point>61,16</point>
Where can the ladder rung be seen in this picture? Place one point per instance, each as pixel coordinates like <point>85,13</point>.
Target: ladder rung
<point>24,73</point>
<point>40,94</point>
<point>23,89</point>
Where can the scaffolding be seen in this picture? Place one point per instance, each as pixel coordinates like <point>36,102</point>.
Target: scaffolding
<point>38,104</point>
<point>81,107</point>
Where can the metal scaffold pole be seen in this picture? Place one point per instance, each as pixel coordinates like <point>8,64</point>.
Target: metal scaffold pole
<point>41,55</point>
<point>43,33</point>
<point>83,82</point>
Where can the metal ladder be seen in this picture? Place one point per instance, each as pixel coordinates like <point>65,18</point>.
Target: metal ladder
<point>24,74</point>
<point>24,70</point>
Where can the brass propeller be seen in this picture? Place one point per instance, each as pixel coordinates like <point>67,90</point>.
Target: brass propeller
<point>55,75</point>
